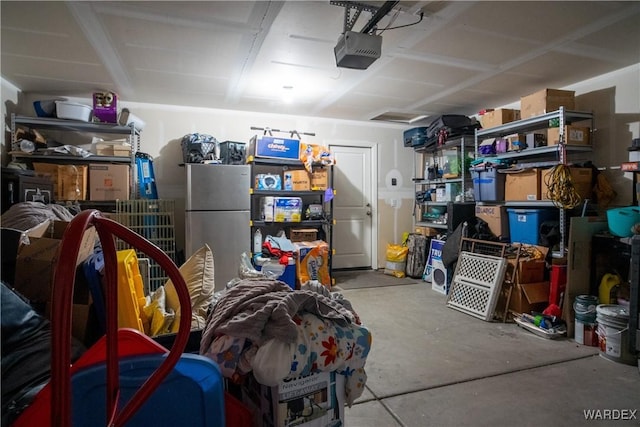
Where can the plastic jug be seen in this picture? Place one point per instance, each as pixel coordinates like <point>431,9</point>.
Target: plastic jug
<point>609,288</point>
<point>257,241</point>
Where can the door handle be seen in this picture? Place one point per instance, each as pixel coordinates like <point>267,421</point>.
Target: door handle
<point>369,213</point>
<point>368,205</point>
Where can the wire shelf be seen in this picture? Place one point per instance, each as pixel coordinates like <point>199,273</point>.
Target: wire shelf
<point>154,220</point>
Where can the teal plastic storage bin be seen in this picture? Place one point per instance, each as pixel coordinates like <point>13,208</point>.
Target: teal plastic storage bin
<point>524,224</point>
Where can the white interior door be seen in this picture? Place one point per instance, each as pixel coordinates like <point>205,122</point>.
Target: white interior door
<point>354,207</point>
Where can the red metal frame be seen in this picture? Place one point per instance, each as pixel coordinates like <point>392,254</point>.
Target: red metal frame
<point>62,299</point>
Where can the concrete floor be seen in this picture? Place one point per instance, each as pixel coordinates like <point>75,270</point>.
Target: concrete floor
<point>431,365</point>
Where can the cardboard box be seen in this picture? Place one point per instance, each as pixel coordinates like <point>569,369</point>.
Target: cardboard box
<point>499,117</point>
<point>69,181</point>
<point>119,150</point>
<point>516,141</point>
<point>528,297</point>
<point>580,177</point>
<point>546,101</point>
<point>524,185</point>
<point>426,231</point>
<point>85,326</point>
<point>497,218</point>
<point>320,179</point>
<point>530,271</point>
<point>574,135</point>
<point>275,148</point>
<point>303,234</point>
<point>297,180</point>
<point>108,182</point>
<point>38,254</point>
<point>309,401</point>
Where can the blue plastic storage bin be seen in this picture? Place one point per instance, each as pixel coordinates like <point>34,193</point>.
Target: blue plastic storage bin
<point>191,395</point>
<point>488,184</point>
<point>524,224</point>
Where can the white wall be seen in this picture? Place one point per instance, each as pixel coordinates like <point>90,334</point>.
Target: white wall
<point>614,99</point>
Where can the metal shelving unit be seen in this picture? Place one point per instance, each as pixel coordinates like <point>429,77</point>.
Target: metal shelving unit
<point>422,156</point>
<point>87,129</point>
<point>561,150</point>
<point>278,166</point>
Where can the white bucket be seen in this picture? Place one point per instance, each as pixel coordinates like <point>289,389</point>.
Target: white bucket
<point>613,333</point>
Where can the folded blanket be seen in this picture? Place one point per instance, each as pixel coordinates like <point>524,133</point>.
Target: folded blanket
<point>259,310</point>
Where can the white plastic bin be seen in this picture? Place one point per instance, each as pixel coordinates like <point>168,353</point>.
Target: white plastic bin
<point>73,111</point>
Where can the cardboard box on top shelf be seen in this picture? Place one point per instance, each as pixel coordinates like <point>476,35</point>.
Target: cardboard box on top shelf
<point>320,179</point>
<point>108,181</point>
<point>499,117</point>
<point>546,101</point>
<point>580,177</point>
<point>574,135</point>
<point>522,185</point>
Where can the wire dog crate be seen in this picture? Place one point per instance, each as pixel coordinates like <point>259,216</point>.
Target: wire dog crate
<point>154,220</point>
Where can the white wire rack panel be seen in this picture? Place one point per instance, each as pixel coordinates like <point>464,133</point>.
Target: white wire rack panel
<point>476,284</point>
<point>154,220</point>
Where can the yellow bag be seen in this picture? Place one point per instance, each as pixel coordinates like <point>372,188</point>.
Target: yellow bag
<point>396,260</point>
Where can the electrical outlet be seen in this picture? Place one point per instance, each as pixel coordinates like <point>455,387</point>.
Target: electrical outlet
<point>393,203</point>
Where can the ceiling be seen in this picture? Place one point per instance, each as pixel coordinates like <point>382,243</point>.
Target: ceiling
<point>250,55</point>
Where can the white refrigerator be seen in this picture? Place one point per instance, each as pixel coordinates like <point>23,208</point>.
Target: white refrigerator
<point>217,213</point>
